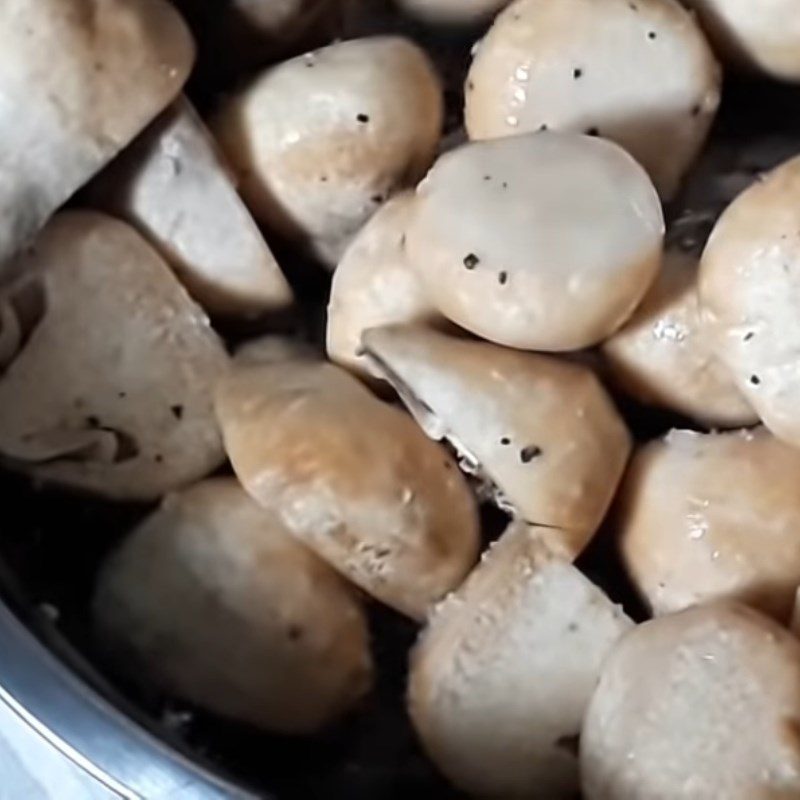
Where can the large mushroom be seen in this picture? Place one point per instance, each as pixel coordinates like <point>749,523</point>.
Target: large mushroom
<point>352,477</point>
<point>215,602</point>
<point>108,367</point>
<point>78,80</point>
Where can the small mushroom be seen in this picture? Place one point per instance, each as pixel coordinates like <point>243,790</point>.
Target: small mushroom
<point>109,365</point>
<point>703,704</point>
<point>662,355</point>
<point>374,285</point>
<point>749,282</point>
<point>638,73</point>
<point>707,516</point>
<point>173,186</point>
<point>320,142</point>
<point>493,239</point>
<point>78,80</point>
<point>353,478</point>
<point>501,677</point>
<point>451,13</point>
<point>541,432</point>
<point>214,601</point>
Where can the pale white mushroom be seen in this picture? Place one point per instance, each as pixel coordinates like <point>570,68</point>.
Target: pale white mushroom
<point>374,285</point>
<point>174,187</point>
<point>457,13</point>
<point>493,238</point>
<point>703,704</point>
<point>639,73</point>
<point>706,516</point>
<point>321,141</point>
<point>749,282</point>
<point>501,677</point>
<point>109,365</point>
<point>78,80</point>
<point>352,477</point>
<point>214,601</point>
<point>541,432</point>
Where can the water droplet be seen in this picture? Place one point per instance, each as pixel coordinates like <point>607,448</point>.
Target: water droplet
<point>522,73</point>
<point>668,330</point>
<point>520,95</point>
<point>512,121</point>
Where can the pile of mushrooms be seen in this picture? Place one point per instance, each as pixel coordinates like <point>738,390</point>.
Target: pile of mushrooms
<point>505,307</point>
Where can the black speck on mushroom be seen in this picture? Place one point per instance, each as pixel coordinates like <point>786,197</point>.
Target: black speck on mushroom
<point>177,411</point>
<point>577,73</point>
<point>470,86</point>
<point>651,35</point>
<point>362,118</point>
<point>755,380</point>
<point>487,177</point>
<point>122,395</point>
<point>633,7</point>
<point>504,185</point>
<point>295,633</point>
<point>471,261</point>
<point>696,109</point>
<point>505,441</point>
<point>502,278</point>
<point>572,627</point>
<point>377,199</point>
<point>158,458</point>
<point>543,127</point>
<point>527,454</point>
<point>592,131</point>
<point>748,336</point>
<point>93,421</point>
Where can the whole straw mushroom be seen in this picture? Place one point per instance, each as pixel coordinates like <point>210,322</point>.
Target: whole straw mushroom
<point>353,478</point>
<point>319,142</point>
<point>216,603</point>
<point>501,677</point>
<point>174,187</point>
<point>112,66</point>
<point>108,367</point>
<point>639,73</point>
<point>702,704</point>
<point>492,237</point>
<point>542,433</point>
<point>707,516</point>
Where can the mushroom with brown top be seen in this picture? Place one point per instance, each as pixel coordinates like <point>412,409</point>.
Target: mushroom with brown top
<point>319,142</point>
<point>542,432</point>
<point>79,79</point>
<point>216,603</point>
<point>492,237</point>
<point>502,675</point>
<point>108,365</point>
<point>353,478</point>
<point>707,516</point>
<point>174,187</point>
<point>703,704</point>
<point>639,73</point>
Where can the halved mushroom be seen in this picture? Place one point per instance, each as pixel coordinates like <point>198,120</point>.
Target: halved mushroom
<point>353,478</point>
<point>492,236</point>
<point>502,675</point>
<point>542,432</point>
<point>374,285</point>
<point>639,73</point>
<point>319,142</point>
<point>79,79</point>
<point>213,600</point>
<point>173,186</point>
<point>749,284</point>
<point>707,516</point>
<point>109,365</point>
<point>703,704</point>
<point>459,13</point>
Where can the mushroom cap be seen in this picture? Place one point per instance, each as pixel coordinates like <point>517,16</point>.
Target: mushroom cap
<point>749,282</point>
<point>492,237</point>
<point>706,516</point>
<point>374,285</point>
<point>451,12</point>
<point>543,430</point>
<point>662,355</point>
<point>110,371</point>
<point>112,66</point>
<point>237,616</point>
<point>319,142</point>
<point>501,677</point>
<point>353,478</point>
<point>701,704</point>
<point>640,74</point>
<point>174,187</point>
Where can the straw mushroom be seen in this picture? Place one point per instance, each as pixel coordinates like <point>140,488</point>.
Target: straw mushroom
<point>492,237</point>
<point>320,142</point>
<point>353,478</point>
<point>749,282</point>
<point>213,600</point>
<point>703,704</point>
<point>542,433</point>
<point>78,80</point>
<point>451,13</point>
<point>640,74</point>
<point>108,366</point>
<point>706,516</point>
<point>173,186</point>
<point>501,677</point>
